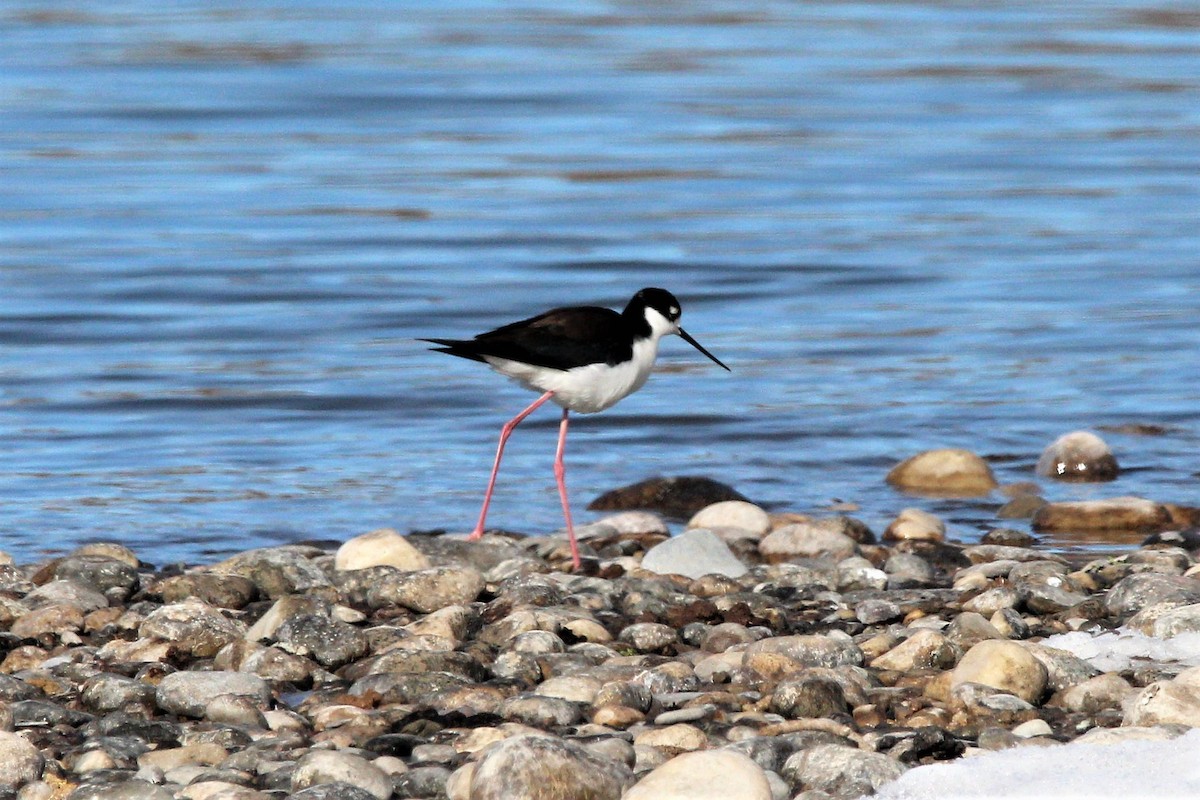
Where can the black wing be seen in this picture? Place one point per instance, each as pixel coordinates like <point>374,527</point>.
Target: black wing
<point>558,339</point>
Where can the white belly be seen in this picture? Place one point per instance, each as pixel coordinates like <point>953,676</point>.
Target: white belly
<point>588,389</point>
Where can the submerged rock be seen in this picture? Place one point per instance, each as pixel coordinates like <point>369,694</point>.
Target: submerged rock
<point>544,768</point>
<point>946,472</point>
<point>678,498</point>
<point>1134,514</point>
<point>1078,456</point>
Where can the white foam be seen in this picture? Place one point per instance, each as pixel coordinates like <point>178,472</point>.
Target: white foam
<point>1129,770</point>
<point>1114,651</point>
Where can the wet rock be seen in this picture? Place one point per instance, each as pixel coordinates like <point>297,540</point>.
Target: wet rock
<point>969,629</point>
<point>1078,456</point>
<point>1063,669</point>
<point>1117,514</point>
<point>1174,702</point>
<point>678,498</point>
<point>1010,623</point>
<point>111,577</point>
<point>673,738</point>
<point>117,552</point>
<point>989,602</point>
<point>192,627</point>
<point>1007,537</point>
<point>839,771</point>
<point>924,649</point>
<point>1044,598</point>
<point>913,523</point>
<point>222,591</point>
<point>1141,590</point>
<point>1002,665</point>
<point>66,593</point>
<point>693,553</point>
<point>537,711</point>
<point>324,766</point>
<point>383,547</point>
<point>737,514</point>
<point>330,642</point>
<point>808,695</point>
<point>108,692</point>
<point>20,761</point>
<point>946,472</point>
<point>49,620</point>
<point>859,573</point>
<point>188,693</point>
<point>811,650</point>
<point>648,637</point>
<point>428,589</point>
<point>1023,506</point>
<point>872,611</point>
<point>135,789</point>
<point>1182,619</point>
<point>635,522</point>
<point>704,775</point>
<point>339,790</point>
<point>204,753</point>
<point>278,571</point>
<point>806,540</point>
<point>1096,694</point>
<point>537,768</point>
<point>909,571</point>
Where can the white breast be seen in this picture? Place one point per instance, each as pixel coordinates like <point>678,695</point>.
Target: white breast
<point>586,389</point>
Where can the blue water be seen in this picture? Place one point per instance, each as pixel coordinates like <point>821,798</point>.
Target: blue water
<point>903,225</point>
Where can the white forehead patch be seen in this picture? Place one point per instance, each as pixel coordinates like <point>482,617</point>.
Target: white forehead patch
<point>673,311</point>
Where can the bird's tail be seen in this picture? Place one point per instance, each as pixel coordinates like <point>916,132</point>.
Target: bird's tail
<point>455,347</point>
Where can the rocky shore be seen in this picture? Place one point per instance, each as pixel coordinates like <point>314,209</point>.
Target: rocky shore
<point>752,655</point>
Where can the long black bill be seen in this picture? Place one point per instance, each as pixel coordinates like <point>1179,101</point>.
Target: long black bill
<point>687,338</point>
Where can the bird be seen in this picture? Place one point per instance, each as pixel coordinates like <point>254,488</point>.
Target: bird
<point>583,358</point>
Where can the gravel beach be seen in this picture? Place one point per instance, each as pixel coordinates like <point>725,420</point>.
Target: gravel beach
<point>751,655</point>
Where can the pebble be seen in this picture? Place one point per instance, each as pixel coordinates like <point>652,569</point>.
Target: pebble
<point>426,590</point>
<point>327,766</point>
<point>924,649</point>
<point>841,771</point>
<point>379,548</point>
<point>534,767</point>
<point>1116,514</point>
<point>20,761</point>
<point>806,540</point>
<point>704,775</point>
<point>693,553</point>
<point>732,514</point>
<point>1078,456</point>
<point>192,627</point>
<point>189,693</point>
<point>827,672</point>
<point>1002,665</point>
<point>915,524</point>
<point>944,472</point>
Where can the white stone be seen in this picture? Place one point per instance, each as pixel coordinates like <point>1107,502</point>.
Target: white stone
<point>328,766</point>
<point>693,553</point>
<point>704,775</point>
<point>732,514</point>
<point>382,547</point>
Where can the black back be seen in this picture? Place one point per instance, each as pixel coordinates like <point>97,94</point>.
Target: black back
<point>568,337</point>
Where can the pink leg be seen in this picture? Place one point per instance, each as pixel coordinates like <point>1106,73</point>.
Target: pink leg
<point>505,432</point>
<point>560,472</point>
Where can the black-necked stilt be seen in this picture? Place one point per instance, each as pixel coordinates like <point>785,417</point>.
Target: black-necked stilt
<point>584,358</point>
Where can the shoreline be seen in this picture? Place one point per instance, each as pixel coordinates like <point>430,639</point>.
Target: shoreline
<point>786,655</point>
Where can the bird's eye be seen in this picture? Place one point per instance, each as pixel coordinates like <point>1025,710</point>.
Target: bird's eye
<point>673,311</point>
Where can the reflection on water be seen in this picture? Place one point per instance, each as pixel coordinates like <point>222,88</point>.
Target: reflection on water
<point>902,225</point>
